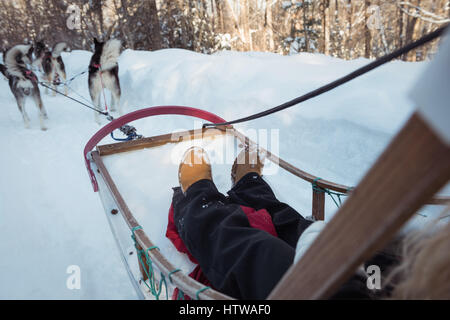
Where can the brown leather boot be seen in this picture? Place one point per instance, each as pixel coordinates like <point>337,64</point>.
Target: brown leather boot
<point>194,166</point>
<point>247,161</point>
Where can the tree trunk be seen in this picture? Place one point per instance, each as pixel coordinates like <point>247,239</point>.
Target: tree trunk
<point>244,23</point>
<point>348,41</point>
<point>231,25</point>
<point>410,26</point>
<point>326,27</point>
<point>155,33</point>
<point>305,28</point>
<point>368,36</point>
<point>219,10</point>
<point>399,32</point>
<point>268,26</point>
<point>126,16</point>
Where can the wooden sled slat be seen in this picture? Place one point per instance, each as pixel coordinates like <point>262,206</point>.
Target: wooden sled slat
<point>156,141</point>
<point>413,167</point>
<point>151,142</point>
<point>179,279</point>
<point>294,170</point>
<point>440,200</point>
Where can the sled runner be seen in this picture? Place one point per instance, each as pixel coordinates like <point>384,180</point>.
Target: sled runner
<point>153,275</point>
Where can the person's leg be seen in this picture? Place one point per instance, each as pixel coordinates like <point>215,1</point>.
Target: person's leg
<point>251,190</point>
<point>238,260</point>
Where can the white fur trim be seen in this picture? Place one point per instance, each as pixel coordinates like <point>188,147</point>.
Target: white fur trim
<point>110,54</point>
<point>432,91</point>
<point>307,238</point>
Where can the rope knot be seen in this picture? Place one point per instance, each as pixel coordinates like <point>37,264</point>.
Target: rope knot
<point>318,189</point>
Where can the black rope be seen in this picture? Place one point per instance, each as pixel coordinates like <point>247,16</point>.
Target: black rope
<point>67,82</point>
<point>65,95</point>
<point>75,76</point>
<point>79,95</point>
<point>332,85</point>
<point>126,129</point>
<point>129,131</point>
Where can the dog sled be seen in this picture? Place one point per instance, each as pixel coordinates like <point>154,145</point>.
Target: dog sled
<point>155,270</point>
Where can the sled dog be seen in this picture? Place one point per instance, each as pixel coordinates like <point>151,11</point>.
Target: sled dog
<point>51,64</point>
<point>22,81</point>
<point>104,73</point>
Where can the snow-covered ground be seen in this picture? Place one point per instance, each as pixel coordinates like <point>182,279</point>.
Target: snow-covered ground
<point>49,216</point>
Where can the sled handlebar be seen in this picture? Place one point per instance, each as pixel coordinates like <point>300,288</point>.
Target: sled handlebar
<point>136,115</point>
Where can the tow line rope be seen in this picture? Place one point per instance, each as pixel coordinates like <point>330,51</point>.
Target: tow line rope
<point>318,189</point>
<point>80,102</point>
<point>59,83</point>
<point>67,82</point>
<point>332,85</point>
<point>126,129</point>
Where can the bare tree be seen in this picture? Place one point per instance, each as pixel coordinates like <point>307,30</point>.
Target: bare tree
<point>340,28</point>
<point>268,25</point>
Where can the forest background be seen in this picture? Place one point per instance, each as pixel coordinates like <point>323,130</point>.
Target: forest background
<point>340,28</point>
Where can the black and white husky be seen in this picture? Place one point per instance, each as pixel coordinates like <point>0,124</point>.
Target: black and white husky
<point>22,81</point>
<point>104,73</point>
<point>41,52</point>
<point>51,63</point>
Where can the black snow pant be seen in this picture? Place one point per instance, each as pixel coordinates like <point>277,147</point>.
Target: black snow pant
<point>238,260</point>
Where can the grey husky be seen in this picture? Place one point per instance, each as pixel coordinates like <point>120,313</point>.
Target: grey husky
<point>22,81</point>
<point>104,73</point>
